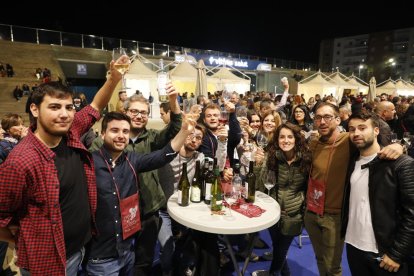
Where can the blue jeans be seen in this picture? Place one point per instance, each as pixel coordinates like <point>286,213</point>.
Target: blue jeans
<point>166,240</point>
<point>72,264</point>
<point>123,265</point>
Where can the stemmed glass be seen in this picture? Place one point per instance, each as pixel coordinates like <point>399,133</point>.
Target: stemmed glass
<point>407,138</point>
<point>269,181</point>
<point>261,140</point>
<point>231,195</point>
<point>224,117</point>
<point>122,67</point>
<point>226,95</point>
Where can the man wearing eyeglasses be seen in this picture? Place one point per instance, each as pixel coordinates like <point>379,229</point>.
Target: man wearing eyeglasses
<point>143,140</point>
<point>330,158</point>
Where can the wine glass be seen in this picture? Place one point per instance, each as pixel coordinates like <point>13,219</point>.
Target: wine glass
<point>393,137</point>
<point>231,195</point>
<point>407,138</point>
<point>224,117</point>
<point>226,95</point>
<point>269,181</point>
<point>122,67</point>
<point>261,140</point>
<point>241,112</point>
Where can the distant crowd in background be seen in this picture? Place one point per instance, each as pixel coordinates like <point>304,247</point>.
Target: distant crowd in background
<point>307,145</point>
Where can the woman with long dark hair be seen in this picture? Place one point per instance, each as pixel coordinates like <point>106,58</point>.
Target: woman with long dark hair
<point>287,155</point>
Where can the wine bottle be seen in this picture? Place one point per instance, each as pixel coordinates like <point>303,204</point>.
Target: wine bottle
<point>203,179</point>
<point>162,79</point>
<point>183,187</point>
<point>196,185</point>
<point>209,183</point>
<point>216,192</point>
<point>237,180</point>
<point>250,185</point>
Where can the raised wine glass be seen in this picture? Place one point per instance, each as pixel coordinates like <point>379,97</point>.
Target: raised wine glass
<point>261,140</point>
<point>122,67</point>
<point>224,117</point>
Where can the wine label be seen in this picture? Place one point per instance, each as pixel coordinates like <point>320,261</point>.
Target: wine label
<point>246,189</point>
<point>208,191</point>
<point>180,197</point>
<point>219,202</point>
<point>195,194</point>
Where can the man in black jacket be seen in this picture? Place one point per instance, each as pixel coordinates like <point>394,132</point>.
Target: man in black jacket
<point>378,212</point>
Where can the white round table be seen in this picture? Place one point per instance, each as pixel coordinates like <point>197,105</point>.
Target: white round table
<point>198,216</point>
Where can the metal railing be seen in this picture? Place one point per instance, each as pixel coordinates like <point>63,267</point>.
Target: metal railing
<point>43,36</point>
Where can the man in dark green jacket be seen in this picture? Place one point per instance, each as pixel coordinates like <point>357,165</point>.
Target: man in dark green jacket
<point>143,140</point>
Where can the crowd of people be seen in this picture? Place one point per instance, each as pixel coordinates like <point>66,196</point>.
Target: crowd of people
<point>70,206</point>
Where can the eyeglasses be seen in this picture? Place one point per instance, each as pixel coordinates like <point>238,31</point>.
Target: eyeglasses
<point>135,112</point>
<point>197,137</point>
<point>326,118</point>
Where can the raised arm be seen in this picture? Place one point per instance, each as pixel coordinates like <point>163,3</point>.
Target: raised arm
<point>104,94</point>
<point>173,127</point>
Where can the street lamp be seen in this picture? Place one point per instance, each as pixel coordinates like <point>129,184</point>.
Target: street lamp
<point>359,70</point>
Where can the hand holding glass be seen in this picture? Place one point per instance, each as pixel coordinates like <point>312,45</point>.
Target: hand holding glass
<point>121,65</point>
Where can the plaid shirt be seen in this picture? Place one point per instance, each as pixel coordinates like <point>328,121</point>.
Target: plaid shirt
<point>29,197</point>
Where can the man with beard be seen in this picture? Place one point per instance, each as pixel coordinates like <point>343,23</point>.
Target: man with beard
<point>330,156</point>
<point>47,183</point>
<point>378,213</point>
<point>143,140</point>
<point>117,215</point>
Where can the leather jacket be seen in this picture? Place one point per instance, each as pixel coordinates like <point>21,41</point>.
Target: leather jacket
<point>391,199</point>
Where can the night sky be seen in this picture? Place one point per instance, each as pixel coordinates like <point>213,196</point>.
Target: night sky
<point>291,32</point>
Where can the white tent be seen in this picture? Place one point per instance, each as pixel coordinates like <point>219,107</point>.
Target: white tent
<point>387,87</point>
<point>140,77</point>
<point>357,82</point>
<point>224,79</point>
<point>403,88</point>
<point>339,79</point>
<point>316,84</point>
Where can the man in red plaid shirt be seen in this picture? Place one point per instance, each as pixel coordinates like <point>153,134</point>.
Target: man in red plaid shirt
<point>47,184</point>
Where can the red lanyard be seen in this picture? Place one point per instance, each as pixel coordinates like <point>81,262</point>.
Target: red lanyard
<point>113,178</point>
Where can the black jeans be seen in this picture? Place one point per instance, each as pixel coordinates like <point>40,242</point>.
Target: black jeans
<point>365,263</point>
<point>145,244</point>
<point>281,244</point>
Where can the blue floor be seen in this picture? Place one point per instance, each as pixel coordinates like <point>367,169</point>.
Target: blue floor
<point>301,260</point>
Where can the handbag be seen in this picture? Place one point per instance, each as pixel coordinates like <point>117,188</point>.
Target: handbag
<point>291,225</point>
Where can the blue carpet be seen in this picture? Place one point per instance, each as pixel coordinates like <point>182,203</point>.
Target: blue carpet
<point>301,261</point>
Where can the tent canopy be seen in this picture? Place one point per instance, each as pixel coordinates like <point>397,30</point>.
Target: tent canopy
<point>316,84</point>
<point>224,79</point>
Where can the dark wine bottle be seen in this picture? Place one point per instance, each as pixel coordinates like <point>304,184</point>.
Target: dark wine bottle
<point>184,188</point>
<point>250,185</point>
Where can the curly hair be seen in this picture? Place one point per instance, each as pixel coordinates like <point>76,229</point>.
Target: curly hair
<point>301,147</point>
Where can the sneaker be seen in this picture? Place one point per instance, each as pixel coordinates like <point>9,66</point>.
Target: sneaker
<point>260,273</point>
<point>268,256</point>
<point>253,256</point>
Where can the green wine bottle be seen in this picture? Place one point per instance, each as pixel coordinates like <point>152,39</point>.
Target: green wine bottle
<point>184,188</point>
<point>216,192</point>
<point>250,185</point>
